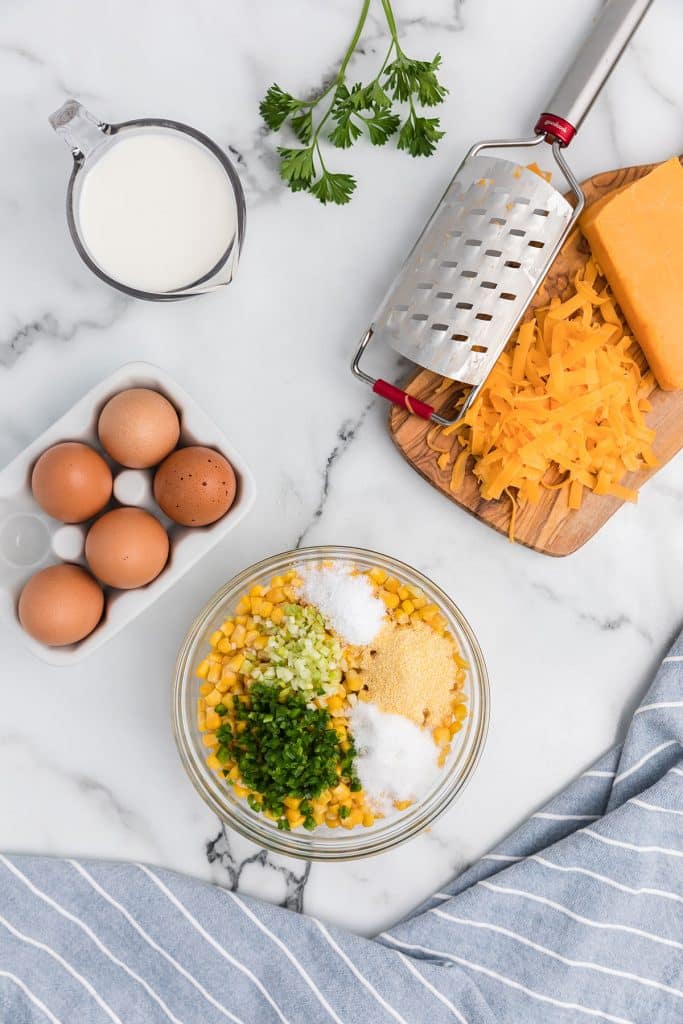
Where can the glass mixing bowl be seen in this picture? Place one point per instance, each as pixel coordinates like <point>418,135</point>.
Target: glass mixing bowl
<point>324,843</point>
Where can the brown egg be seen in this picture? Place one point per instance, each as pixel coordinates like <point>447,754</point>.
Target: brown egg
<point>126,548</point>
<point>71,482</point>
<point>138,428</point>
<point>60,605</point>
<point>195,486</point>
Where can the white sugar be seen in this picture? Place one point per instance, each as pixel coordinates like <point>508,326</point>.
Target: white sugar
<point>396,759</point>
<point>347,602</point>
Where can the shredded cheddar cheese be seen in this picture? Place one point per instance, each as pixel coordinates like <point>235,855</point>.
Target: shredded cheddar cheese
<point>564,407</point>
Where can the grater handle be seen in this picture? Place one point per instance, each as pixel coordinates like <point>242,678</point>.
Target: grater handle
<point>607,40</point>
<point>403,399</point>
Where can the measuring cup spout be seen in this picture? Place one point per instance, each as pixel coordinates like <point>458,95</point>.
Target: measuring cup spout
<point>80,129</point>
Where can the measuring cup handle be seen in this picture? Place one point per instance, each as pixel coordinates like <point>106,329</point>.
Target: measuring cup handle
<point>80,129</point>
<point>574,96</point>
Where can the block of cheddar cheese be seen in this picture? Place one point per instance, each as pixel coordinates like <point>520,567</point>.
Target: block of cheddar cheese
<point>636,236</point>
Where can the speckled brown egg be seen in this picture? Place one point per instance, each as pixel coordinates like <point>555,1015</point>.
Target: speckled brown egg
<point>195,486</point>
<point>71,481</point>
<point>126,548</point>
<point>60,605</point>
<point>138,428</point>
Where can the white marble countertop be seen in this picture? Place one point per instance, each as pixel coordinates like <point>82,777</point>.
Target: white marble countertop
<point>87,759</point>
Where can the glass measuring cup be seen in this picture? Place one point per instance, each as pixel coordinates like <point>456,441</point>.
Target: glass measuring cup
<point>90,140</point>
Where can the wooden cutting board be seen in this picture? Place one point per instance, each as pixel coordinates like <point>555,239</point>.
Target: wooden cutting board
<point>550,526</point>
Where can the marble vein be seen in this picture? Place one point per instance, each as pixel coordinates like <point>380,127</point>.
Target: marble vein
<point>219,851</point>
<point>49,327</point>
<point>345,436</point>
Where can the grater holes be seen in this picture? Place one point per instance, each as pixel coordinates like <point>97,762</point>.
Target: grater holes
<point>483,316</point>
<point>444,295</point>
<point>463,305</point>
<point>493,252</point>
<point>439,327</point>
<point>535,243</point>
<point>424,286</point>
<point>521,201</point>
<point>420,317</point>
<point>401,309</point>
<point>454,234</point>
<point>473,241</point>
<point>508,296</point>
<point>449,264</point>
<point>459,337</point>
<point>478,212</point>
<point>514,264</point>
<point>479,348</point>
<point>541,212</point>
<point>488,284</point>
<point>498,220</point>
<point>468,273</point>
<point>517,232</point>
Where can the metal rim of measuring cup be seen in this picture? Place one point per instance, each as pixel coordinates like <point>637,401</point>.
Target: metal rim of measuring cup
<point>184,293</point>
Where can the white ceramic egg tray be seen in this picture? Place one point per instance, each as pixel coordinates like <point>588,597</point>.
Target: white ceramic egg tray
<point>31,540</point>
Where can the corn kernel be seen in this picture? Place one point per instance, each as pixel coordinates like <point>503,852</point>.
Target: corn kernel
<point>213,763</point>
<point>203,669</point>
<point>235,663</point>
<point>332,822</point>
<point>403,593</point>
<point>276,595</point>
<point>213,720</point>
<point>240,791</point>
<point>201,721</point>
<point>243,606</point>
<point>214,698</point>
<point>341,791</point>
<point>209,739</point>
<point>215,638</point>
<point>408,607</point>
<point>392,585</point>
<point>266,608</point>
<point>460,712</point>
<point>277,616</point>
<point>234,774</point>
<point>225,645</point>
<point>257,591</point>
<point>292,802</point>
<point>442,736</point>
<point>256,605</point>
<point>335,703</point>
<point>368,818</point>
<point>205,688</point>
<point>429,611</point>
<point>214,673</point>
<point>228,627</point>
<point>378,575</point>
<point>391,600</point>
<point>401,805</point>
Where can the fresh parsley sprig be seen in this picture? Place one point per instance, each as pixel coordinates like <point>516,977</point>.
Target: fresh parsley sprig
<point>355,111</point>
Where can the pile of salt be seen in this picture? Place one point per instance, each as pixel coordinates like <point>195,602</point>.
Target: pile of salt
<point>347,602</point>
<point>396,759</point>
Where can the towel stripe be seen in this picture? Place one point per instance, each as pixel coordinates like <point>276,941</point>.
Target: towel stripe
<point>591,1011</point>
<point>65,965</point>
<point>361,978</point>
<point>644,759</point>
<point>442,999</point>
<point>672,658</point>
<point>212,942</point>
<point>30,995</point>
<point>661,704</point>
<point>643,891</point>
<point>290,956</point>
<point>631,846</point>
<point>596,773</point>
<point>588,921</point>
<point>547,816</point>
<point>154,945</point>
<point>654,807</point>
<point>587,965</point>
<point>91,935</point>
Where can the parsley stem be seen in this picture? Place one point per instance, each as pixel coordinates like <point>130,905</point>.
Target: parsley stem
<point>393,28</point>
<point>354,40</point>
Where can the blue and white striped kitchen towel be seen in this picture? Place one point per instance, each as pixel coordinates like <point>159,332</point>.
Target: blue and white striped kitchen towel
<point>578,916</point>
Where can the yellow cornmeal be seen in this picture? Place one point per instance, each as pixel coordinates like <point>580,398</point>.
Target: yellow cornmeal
<point>409,670</point>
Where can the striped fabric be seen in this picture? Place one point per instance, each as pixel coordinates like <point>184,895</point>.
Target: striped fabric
<point>576,917</point>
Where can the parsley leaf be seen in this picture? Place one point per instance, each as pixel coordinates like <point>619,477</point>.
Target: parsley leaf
<point>276,106</point>
<point>419,135</point>
<point>297,167</point>
<point>334,188</point>
<point>382,125</point>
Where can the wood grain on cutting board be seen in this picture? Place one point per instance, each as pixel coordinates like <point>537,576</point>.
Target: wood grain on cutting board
<point>549,526</point>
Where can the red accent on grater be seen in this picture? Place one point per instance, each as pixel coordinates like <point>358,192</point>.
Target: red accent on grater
<point>556,128</point>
